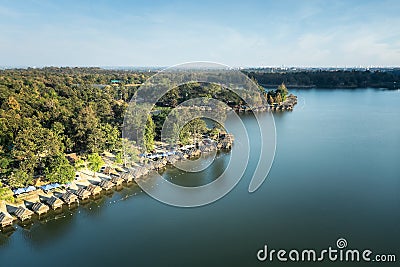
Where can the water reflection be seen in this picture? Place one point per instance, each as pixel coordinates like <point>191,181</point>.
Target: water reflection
<point>193,179</point>
<point>319,189</point>
<point>56,224</point>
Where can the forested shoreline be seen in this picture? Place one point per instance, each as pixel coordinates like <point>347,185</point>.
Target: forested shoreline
<point>48,113</point>
<point>328,79</point>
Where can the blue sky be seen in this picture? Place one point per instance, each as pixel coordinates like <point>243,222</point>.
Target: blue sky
<point>164,33</point>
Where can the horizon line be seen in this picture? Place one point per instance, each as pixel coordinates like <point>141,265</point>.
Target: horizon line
<point>5,67</point>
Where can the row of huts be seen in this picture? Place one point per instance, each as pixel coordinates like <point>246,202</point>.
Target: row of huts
<point>69,197</point>
<point>160,160</point>
<point>84,192</point>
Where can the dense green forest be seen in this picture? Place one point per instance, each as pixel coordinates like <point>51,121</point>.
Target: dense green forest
<point>50,112</point>
<point>46,113</point>
<point>329,79</point>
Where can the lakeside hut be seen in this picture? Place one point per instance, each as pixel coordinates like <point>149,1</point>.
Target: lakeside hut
<point>172,159</point>
<point>94,189</point>
<point>5,219</point>
<point>226,141</point>
<point>159,164</point>
<point>82,193</point>
<point>23,213</point>
<point>110,171</point>
<point>106,185</point>
<point>69,198</point>
<point>39,208</point>
<point>140,171</point>
<point>54,202</point>
<point>127,177</point>
<point>117,180</point>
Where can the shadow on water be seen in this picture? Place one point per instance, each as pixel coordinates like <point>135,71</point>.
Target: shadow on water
<point>52,227</point>
<point>5,234</point>
<point>193,179</point>
<point>57,224</point>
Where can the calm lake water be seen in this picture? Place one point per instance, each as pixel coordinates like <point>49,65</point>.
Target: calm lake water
<point>336,174</point>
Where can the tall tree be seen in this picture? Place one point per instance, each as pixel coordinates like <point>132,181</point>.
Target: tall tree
<point>111,136</point>
<point>278,98</point>
<point>59,170</point>
<point>149,134</point>
<point>33,144</point>
<point>282,90</point>
<point>95,162</point>
<point>20,178</point>
<point>88,135</point>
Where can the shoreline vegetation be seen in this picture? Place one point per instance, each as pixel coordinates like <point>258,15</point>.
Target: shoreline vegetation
<point>323,78</point>
<point>32,202</point>
<point>56,122</point>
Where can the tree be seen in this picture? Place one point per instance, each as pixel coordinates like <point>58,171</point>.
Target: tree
<point>34,144</point>
<point>59,170</point>
<point>88,135</point>
<point>278,98</point>
<point>130,152</point>
<point>19,178</point>
<point>192,131</point>
<point>111,136</point>
<point>216,130</point>
<point>104,110</point>
<point>5,193</point>
<point>198,128</point>
<point>11,103</point>
<point>5,162</point>
<point>270,99</point>
<point>79,164</point>
<point>59,130</point>
<point>136,117</point>
<point>149,134</point>
<point>119,158</point>
<point>282,90</point>
<point>95,162</point>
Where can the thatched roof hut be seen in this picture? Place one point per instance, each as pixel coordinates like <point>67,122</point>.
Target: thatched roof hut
<point>117,180</point>
<point>82,193</point>
<point>128,177</point>
<point>69,198</point>
<point>172,159</point>
<point>23,213</point>
<point>40,208</point>
<point>106,185</point>
<point>93,189</point>
<point>159,164</point>
<point>5,219</point>
<point>108,170</point>
<point>143,171</point>
<point>140,171</point>
<point>54,202</point>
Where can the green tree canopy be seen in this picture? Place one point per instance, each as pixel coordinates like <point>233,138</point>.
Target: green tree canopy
<point>20,178</point>
<point>95,162</point>
<point>149,134</point>
<point>59,170</point>
<point>282,90</point>
<point>192,131</point>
